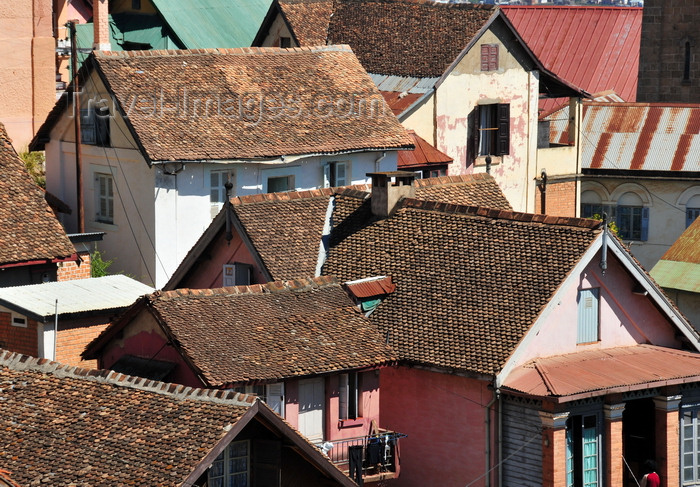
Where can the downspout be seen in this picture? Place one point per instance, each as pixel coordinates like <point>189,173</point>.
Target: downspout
<point>55,332</point>
<point>378,160</point>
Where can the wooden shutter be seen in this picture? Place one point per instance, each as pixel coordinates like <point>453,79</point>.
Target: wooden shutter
<point>503,132</point>
<point>645,224</point>
<point>489,57</point>
<point>343,397</point>
<point>588,316</point>
<point>474,126</point>
<point>484,57</point>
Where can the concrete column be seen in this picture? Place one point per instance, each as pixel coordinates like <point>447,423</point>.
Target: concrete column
<point>554,448</point>
<point>667,439</point>
<point>100,19</point>
<point>614,466</point>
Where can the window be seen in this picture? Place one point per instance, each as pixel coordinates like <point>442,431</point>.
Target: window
<point>690,215</point>
<point>582,451</point>
<point>237,274</point>
<point>633,222</point>
<point>19,321</point>
<point>217,190</point>
<point>690,447</point>
<point>94,126</point>
<point>489,57</point>
<point>588,316</point>
<point>349,396</point>
<point>494,129</point>
<point>279,184</point>
<point>285,42</point>
<point>335,174</point>
<point>270,394</point>
<point>104,194</point>
<point>232,467</point>
<point>589,210</point>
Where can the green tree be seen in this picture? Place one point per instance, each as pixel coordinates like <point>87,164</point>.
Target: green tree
<point>35,162</point>
<point>99,266</point>
<point>612,226</point>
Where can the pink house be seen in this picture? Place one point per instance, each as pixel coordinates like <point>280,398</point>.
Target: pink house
<point>303,346</point>
<point>532,350</point>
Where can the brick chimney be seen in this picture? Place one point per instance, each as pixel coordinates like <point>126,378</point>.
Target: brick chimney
<point>388,188</point>
<point>100,20</point>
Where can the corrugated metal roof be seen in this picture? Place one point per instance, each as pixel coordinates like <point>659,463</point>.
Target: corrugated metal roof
<point>635,136</point>
<point>423,155</point>
<point>367,288</point>
<point>679,267</point>
<point>599,372</point>
<point>403,84</point>
<point>594,48</point>
<point>203,24</point>
<point>38,301</point>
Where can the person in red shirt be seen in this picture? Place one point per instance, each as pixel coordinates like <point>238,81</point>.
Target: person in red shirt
<point>651,478</point>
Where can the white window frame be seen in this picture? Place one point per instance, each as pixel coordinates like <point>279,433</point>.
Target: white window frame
<point>266,393</point>
<point>237,274</point>
<point>94,127</point>
<point>290,183</point>
<point>331,171</point>
<point>108,198</point>
<point>690,446</point>
<point>220,474</point>
<point>17,320</point>
<point>350,396</point>
<point>571,461</point>
<point>217,192</point>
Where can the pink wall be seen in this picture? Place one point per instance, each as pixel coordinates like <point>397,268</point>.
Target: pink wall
<point>444,418</point>
<point>626,319</point>
<point>148,342</point>
<point>208,273</point>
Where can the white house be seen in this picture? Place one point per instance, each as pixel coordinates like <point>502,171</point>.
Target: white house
<point>164,131</point>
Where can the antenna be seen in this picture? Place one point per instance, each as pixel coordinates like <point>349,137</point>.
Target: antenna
<point>604,252</point>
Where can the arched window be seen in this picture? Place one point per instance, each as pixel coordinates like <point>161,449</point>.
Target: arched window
<point>591,204</point>
<point>692,210</point>
<point>632,217</point>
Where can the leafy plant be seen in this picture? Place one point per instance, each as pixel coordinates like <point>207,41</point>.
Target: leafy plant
<point>612,226</point>
<point>35,162</point>
<point>99,266</point>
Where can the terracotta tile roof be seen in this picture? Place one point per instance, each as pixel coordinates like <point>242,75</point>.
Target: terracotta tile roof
<point>599,372</point>
<point>309,19</point>
<point>467,189</point>
<point>423,155</point>
<point>240,92</point>
<point>400,101</point>
<point>595,48</point>
<point>373,287</point>
<point>29,230</point>
<point>65,426</point>
<point>270,331</point>
<point>290,247</point>
<point>470,281</point>
<point>406,37</point>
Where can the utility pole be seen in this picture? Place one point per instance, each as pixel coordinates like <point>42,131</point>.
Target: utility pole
<point>77,114</point>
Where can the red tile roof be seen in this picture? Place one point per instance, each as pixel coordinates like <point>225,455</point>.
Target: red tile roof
<point>63,425</point>
<point>470,281</point>
<point>595,48</point>
<point>400,101</point>
<point>269,332</point>
<point>253,103</point>
<point>367,288</point>
<point>599,372</point>
<point>309,19</point>
<point>406,37</point>
<point>467,189</point>
<point>29,230</point>
<point>423,155</point>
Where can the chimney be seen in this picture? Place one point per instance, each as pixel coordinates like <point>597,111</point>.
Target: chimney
<point>387,193</point>
<point>100,21</point>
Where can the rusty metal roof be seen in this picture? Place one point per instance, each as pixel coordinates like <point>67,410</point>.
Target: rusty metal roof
<point>423,155</point>
<point>679,268</point>
<point>595,48</point>
<point>636,136</point>
<point>367,288</point>
<point>599,372</point>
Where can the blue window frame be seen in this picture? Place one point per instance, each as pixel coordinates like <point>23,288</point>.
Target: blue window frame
<point>583,465</point>
<point>690,215</point>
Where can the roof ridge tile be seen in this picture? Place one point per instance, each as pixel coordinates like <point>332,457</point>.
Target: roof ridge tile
<point>20,362</point>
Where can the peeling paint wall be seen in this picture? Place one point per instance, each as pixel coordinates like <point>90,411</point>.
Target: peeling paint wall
<point>465,88</point>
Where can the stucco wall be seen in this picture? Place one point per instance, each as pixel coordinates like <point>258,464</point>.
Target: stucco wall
<point>665,199</point>
<point>626,318</point>
<point>688,303</point>
<point>421,119</point>
<point>28,67</point>
<point>444,418</point>
<point>465,88</point>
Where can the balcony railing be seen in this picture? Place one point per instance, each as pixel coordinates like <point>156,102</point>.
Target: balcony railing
<point>376,454</point>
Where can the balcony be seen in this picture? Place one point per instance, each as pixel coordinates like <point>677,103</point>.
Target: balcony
<point>376,454</point>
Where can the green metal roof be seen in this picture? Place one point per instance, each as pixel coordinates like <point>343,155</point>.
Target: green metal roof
<point>202,24</point>
<point>672,274</point>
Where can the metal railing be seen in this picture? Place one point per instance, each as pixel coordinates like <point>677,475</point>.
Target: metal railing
<point>376,453</point>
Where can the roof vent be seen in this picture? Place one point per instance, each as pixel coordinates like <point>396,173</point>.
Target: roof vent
<point>388,188</point>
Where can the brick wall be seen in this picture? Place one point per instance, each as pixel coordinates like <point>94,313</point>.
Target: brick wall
<point>69,271</point>
<point>666,27</point>
<point>73,339</point>
<point>560,199</point>
<point>17,339</point>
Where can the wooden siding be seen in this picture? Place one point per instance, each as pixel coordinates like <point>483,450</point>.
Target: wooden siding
<point>522,445</point>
